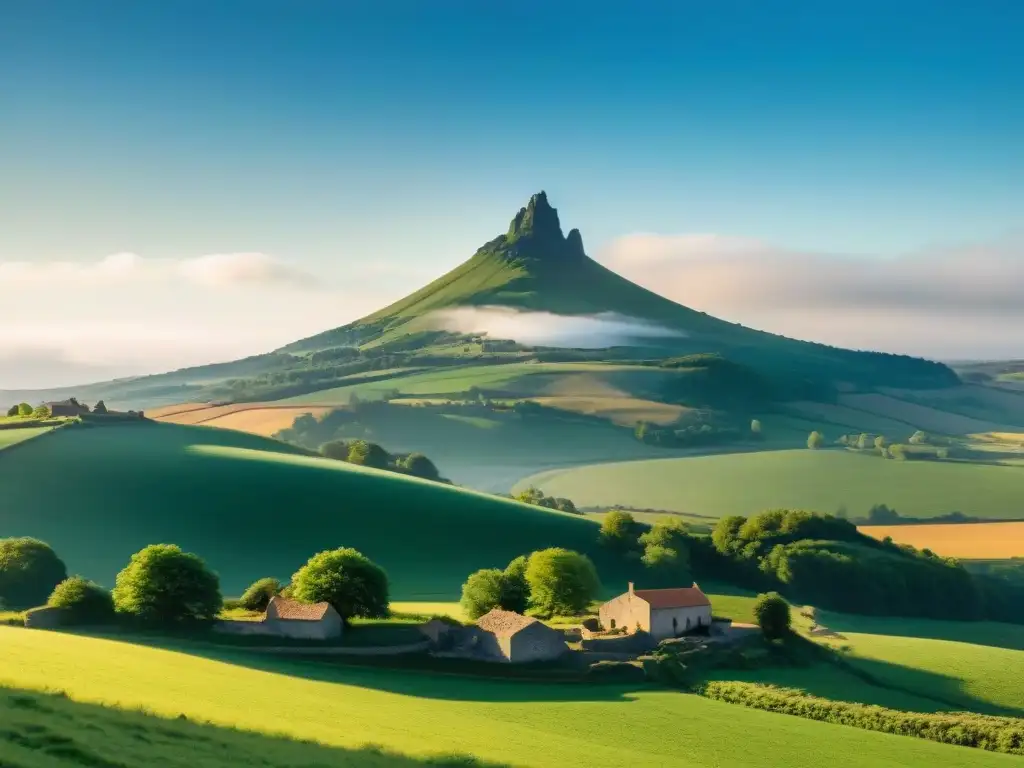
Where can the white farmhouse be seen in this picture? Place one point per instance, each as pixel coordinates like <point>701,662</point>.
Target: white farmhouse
<point>662,613</point>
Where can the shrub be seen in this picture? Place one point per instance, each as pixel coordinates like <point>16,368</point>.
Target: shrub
<point>258,595</point>
<point>967,729</point>
<point>515,594</point>
<point>163,585</point>
<point>482,592</point>
<point>83,601</point>
<point>345,578</point>
<point>368,455</point>
<point>25,410</point>
<point>561,581</point>
<point>335,449</point>
<point>771,612</point>
<point>815,440</point>
<point>12,411</point>
<point>418,465</point>
<point>29,571</point>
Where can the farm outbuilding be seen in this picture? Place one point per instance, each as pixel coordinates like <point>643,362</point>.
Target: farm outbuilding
<point>509,636</point>
<point>662,613</point>
<point>308,621</point>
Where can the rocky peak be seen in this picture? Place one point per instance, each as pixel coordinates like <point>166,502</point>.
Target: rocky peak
<point>538,219</point>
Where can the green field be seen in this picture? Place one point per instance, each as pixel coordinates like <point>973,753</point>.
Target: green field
<point>254,507</point>
<point>824,481</point>
<point>979,665</point>
<point>15,436</point>
<point>419,714</point>
<point>522,378</point>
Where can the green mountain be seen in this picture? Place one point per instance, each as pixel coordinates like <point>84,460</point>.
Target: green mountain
<point>534,267</point>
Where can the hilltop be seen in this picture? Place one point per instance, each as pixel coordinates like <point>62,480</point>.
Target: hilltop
<point>254,507</point>
<point>532,268</point>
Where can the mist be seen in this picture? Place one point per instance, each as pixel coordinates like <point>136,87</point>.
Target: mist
<point>546,329</point>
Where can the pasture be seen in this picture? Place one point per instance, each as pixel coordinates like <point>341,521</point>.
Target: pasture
<point>823,480</point>
<point>977,666</point>
<point>10,437</point>
<point>420,715</point>
<point>967,541</point>
<point>254,507</point>
<point>519,379</point>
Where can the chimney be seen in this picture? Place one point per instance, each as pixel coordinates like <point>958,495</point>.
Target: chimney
<point>631,588</point>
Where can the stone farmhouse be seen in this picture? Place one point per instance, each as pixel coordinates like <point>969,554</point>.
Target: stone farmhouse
<point>510,636</point>
<point>503,636</point>
<point>290,618</point>
<point>662,613</point>
<point>70,407</point>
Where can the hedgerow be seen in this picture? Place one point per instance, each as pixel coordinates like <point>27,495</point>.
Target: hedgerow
<point>966,729</point>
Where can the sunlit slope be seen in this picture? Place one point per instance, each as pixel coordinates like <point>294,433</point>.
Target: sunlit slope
<point>254,507</point>
<point>528,724</point>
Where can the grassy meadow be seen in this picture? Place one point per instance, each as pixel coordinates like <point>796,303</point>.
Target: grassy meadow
<point>823,480</point>
<point>254,507</point>
<point>978,666</point>
<point>14,436</point>
<point>967,541</point>
<point>415,714</point>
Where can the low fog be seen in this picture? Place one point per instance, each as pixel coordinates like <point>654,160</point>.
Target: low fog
<point>546,329</point>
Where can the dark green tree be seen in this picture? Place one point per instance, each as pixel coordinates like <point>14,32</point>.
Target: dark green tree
<point>666,546</point>
<point>562,582</point>
<point>83,601</point>
<point>336,449</point>
<point>345,578</point>
<point>771,611</point>
<point>619,532</point>
<point>515,595</point>
<point>29,571</point>
<point>367,454</point>
<point>163,585</point>
<point>100,407</point>
<point>258,594</point>
<point>418,465</point>
<point>25,410</point>
<point>12,411</point>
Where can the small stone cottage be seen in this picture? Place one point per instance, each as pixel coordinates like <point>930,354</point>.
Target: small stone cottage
<point>662,613</point>
<point>290,618</point>
<point>509,636</point>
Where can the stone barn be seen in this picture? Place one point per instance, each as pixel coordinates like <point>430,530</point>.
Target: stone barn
<point>509,636</point>
<point>69,407</point>
<point>662,613</point>
<point>290,618</point>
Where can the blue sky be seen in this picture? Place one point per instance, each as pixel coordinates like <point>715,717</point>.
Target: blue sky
<point>373,145</point>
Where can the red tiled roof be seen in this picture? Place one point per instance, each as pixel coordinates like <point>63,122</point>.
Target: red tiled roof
<point>293,610</point>
<point>682,597</point>
<point>504,623</point>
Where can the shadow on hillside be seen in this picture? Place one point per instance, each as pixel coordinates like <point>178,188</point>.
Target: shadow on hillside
<point>990,633</point>
<point>40,728</point>
<point>945,690</point>
<point>414,675</point>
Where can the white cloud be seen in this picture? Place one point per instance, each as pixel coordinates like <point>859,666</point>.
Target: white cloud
<point>948,302</point>
<point>219,270</point>
<point>547,329</point>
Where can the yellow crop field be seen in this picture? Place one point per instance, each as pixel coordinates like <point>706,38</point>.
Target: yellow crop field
<point>970,541</point>
<point>264,421</point>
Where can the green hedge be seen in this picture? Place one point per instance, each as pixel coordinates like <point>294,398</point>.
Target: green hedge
<point>966,729</point>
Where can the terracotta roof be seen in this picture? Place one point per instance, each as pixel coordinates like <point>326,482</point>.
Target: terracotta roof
<point>293,610</point>
<point>682,597</point>
<point>504,623</point>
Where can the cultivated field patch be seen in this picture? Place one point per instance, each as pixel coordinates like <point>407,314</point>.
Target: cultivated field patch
<point>825,481</point>
<point>625,411</point>
<point>920,416</point>
<point>265,421</point>
<point>969,541</point>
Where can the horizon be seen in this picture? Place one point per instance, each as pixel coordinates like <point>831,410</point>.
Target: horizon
<point>189,188</point>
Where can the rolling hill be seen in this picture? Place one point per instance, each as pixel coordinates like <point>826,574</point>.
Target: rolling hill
<point>255,507</point>
<point>415,714</point>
